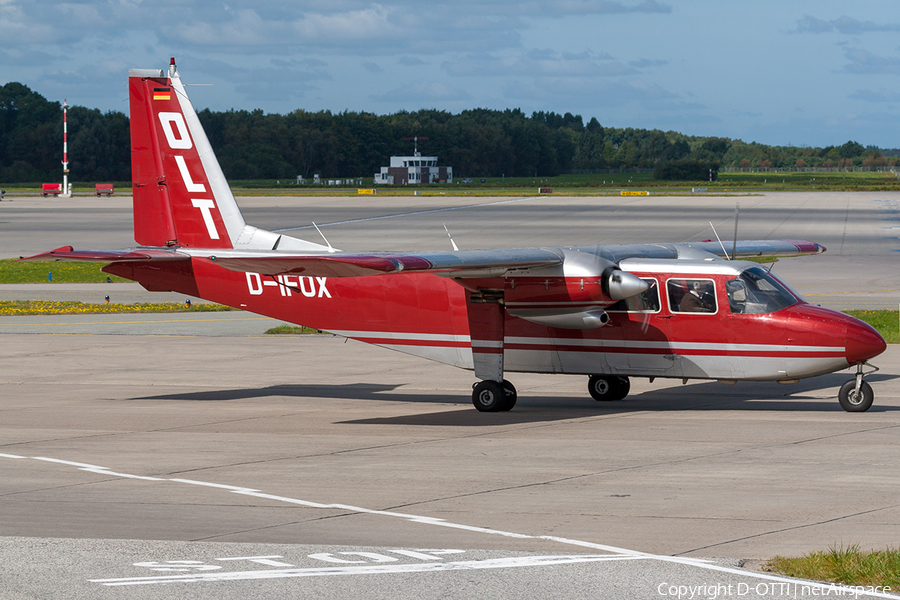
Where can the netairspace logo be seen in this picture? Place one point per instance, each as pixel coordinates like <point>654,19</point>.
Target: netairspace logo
<point>767,590</point>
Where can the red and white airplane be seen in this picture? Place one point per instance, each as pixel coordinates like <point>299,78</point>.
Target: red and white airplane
<point>681,311</point>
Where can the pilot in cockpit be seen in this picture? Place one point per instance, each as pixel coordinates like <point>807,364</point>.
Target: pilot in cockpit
<point>698,298</point>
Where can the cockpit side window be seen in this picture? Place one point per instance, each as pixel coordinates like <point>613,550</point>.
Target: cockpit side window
<point>756,292</point>
<point>691,295</point>
<point>645,302</point>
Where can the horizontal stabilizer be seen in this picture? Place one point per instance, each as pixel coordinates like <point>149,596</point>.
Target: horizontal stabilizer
<point>67,253</point>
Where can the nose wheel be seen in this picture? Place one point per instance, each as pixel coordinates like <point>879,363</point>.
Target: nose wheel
<point>494,396</point>
<point>856,395</point>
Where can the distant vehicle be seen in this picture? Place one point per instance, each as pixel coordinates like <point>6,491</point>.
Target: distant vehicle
<point>51,188</point>
<point>104,188</point>
<point>467,180</point>
<point>610,312</point>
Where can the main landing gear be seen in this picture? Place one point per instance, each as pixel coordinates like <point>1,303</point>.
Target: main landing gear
<point>608,387</point>
<point>856,395</point>
<point>494,396</point>
<point>501,396</point>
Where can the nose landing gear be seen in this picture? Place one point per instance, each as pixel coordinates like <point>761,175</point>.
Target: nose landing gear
<point>856,395</point>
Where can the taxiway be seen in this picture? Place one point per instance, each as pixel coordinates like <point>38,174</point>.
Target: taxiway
<point>158,458</point>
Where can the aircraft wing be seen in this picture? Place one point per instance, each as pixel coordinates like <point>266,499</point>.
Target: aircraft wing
<point>468,263</point>
<point>464,263</point>
<point>749,248</point>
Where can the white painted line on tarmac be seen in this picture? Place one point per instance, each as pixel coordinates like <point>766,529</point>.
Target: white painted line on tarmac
<point>263,560</point>
<point>617,553</point>
<point>69,462</point>
<point>214,485</point>
<point>492,563</point>
<point>11,456</point>
<point>125,475</point>
<point>594,546</point>
<point>283,499</point>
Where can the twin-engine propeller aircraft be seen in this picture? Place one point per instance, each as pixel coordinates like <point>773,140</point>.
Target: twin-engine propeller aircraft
<point>682,311</point>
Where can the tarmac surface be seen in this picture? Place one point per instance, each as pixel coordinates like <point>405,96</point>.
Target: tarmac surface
<point>165,456</point>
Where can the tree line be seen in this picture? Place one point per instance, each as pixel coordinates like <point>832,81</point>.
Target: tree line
<point>476,143</point>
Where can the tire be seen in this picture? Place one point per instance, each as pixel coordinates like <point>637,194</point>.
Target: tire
<point>511,395</point>
<point>608,387</point>
<point>489,396</point>
<point>853,402</point>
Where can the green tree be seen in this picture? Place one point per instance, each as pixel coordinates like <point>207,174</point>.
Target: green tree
<point>31,135</point>
<point>851,149</point>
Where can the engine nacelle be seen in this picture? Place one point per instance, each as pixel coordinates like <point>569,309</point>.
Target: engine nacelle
<point>574,298</point>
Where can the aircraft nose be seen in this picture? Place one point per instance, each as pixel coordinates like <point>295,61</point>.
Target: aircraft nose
<point>863,342</point>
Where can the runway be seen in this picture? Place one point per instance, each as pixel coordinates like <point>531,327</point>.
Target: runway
<point>142,458</point>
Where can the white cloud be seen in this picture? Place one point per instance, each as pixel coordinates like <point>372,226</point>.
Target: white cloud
<point>845,25</point>
<point>882,95</point>
<point>864,62</point>
<point>646,63</point>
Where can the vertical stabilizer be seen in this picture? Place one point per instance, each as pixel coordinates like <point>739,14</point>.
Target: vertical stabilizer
<point>181,197</point>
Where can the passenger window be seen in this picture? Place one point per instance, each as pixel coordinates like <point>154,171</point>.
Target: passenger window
<point>691,295</point>
<point>645,302</point>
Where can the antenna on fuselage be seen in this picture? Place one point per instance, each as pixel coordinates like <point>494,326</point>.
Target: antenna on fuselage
<point>737,214</point>
<point>330,249</point>
<point>720,241</point>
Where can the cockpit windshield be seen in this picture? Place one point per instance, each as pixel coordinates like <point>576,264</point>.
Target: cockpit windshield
<point>756,292</point>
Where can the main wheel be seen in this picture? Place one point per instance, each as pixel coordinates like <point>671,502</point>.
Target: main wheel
<point>851,401</point>
<point>489,396</point>
<point>608,387</point>
<point>511,395</point>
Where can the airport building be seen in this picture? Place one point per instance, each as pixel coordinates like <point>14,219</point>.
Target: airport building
<point>406,170</point>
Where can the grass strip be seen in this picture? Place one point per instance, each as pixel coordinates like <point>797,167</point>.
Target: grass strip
<point>849,566</point>
<point>44,271</point>
<point>47,307</point>
<point>292,330</point>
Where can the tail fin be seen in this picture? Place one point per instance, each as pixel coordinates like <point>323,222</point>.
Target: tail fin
<point>181,197</point>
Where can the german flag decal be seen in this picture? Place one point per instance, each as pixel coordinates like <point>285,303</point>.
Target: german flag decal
<point>162,93</point>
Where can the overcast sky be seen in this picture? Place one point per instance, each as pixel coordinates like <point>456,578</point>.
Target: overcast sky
<point>803,72</point>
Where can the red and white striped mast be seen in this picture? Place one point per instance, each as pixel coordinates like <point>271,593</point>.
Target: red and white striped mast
<point>65,160</point>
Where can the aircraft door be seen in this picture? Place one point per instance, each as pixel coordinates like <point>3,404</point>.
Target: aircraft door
<point>751,298</point>
<point>698,334</point>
